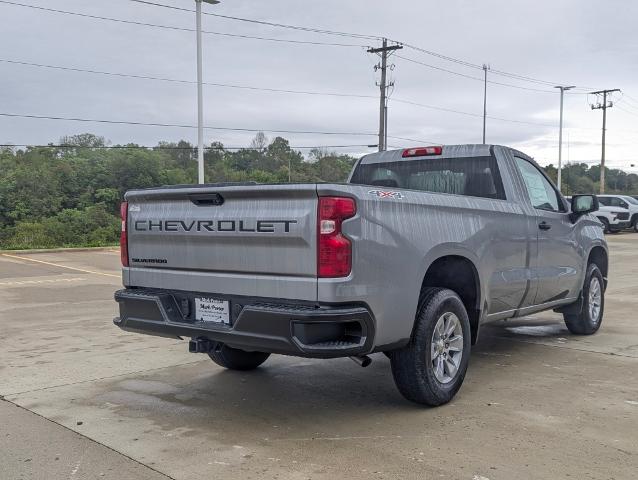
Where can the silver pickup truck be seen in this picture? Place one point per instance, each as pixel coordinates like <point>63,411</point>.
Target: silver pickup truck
<point>409,257</point>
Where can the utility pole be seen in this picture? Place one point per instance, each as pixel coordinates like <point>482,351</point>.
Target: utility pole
<point>385,51</point>
<point>560,133</point>
<point>603,106</point>
<point>486,67</point>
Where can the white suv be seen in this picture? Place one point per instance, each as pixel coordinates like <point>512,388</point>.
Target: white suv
<point>625,202</point>
<point>614,219</point>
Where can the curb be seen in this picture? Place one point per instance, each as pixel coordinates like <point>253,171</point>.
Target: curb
<point>61,250</point>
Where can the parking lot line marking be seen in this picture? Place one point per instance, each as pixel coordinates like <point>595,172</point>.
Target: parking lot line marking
<point>37,282</point>
<point>60,266</point>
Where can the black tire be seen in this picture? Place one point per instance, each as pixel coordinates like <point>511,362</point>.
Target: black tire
<point>582,323</point>
<point>412,367</point>
<point>235,359</point>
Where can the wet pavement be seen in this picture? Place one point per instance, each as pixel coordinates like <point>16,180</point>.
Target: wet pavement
<point>537,402</point>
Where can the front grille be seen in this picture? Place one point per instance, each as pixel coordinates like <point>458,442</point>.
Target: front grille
<point>623,216</point>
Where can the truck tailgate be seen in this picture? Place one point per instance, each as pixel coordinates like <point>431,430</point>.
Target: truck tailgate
<point>246,240</point>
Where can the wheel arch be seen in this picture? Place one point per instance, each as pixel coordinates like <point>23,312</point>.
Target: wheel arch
<point>459,274</point>
<point>599,256</point>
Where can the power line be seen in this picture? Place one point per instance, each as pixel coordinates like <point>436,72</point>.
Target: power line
<point>175,80</point>
<point>306,29</point>
<point>263,22</point>
<point>145,147</point>
<point>266,89</point>
<point>177,125</point>
<point>277,90</point>
<point>443,57</point>
<point>470,114</point>
<point>427,142</point>
<point>370,37</point>
<point>480,67</point>
<point>627,102</point>
<point>181,29</point>
<point>632,108</point>
<point>629,97</point>
<point>471,77</point>
<point>625,110</point>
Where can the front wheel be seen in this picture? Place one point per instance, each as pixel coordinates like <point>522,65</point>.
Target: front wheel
<point>588,320</point>
<point>431,368</point>
<point>235,359</point>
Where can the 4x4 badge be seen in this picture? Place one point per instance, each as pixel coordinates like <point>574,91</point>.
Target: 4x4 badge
<point>387,194</point>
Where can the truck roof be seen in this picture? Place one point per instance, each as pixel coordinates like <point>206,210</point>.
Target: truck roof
<point>448,151</point>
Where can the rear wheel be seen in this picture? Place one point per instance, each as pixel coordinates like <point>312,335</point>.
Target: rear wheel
<point>588,320</point>
<point>235,359</point>
<point>431,368</point>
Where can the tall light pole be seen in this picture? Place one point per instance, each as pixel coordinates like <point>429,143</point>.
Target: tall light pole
<point>560,133</point>
<point>200,93</point>
<point>486,67</point>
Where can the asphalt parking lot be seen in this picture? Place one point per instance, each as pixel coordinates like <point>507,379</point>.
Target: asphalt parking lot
<point>83,400</point>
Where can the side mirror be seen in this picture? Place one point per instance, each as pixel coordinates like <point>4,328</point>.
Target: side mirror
<point>582,204</point>
<point>624,205</point>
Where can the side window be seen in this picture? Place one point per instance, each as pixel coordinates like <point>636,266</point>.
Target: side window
<point>618,202</point>
<point>606,201</point>
<point>541,193</point>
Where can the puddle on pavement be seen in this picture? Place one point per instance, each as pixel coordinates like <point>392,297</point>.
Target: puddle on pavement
<point>551,330</point>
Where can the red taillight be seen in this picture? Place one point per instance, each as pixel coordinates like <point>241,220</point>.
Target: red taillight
<point>124,234</point>
<point>334,251</point>
<point>421,151</point>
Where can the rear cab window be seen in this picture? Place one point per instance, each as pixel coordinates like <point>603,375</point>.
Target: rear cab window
<point>469,176</point>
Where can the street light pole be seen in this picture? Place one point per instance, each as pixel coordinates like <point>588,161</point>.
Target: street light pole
<point>200,97</point>
<point>486,67</point>
<point>200,93</point>
<point>560,134</point>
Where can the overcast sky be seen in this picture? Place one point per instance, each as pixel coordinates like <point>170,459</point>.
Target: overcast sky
<point>590,44</point>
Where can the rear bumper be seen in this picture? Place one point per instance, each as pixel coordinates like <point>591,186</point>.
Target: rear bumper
<point>256,324</point>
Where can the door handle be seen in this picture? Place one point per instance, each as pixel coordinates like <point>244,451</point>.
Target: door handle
<point>544,225</point>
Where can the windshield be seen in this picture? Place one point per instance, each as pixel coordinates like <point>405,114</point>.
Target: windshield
<point>631,200</point>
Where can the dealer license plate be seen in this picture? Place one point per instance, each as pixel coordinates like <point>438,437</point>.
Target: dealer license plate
<point>212,310</point>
